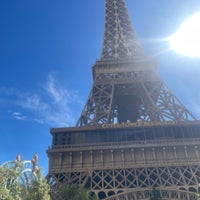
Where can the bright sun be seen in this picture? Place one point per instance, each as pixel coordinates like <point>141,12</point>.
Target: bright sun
<point>186,40</point>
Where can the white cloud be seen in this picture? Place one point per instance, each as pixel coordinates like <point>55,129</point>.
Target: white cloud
<point>19,116</point>
<point>54,105</point>
<point>55,92</point>
<point>32,102</point>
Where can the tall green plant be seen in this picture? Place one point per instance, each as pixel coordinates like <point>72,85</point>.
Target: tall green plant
<point>38,189</point>
<point>9,186</point>
<point>12,189</point>
<point>155,194</point>
<point>75,193</point>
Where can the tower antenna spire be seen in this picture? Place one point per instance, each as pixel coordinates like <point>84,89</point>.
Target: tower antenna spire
<point>120,39</point>
<point>126,86</point>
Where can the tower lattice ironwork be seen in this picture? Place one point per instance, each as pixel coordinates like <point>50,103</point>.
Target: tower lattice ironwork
<point>133,134</point>
<point>126,86</point>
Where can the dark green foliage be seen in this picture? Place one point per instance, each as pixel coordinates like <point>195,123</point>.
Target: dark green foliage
<point>38,189</point>
<point>155,194</point>
<point>75,193</point>
<point>12,189</point>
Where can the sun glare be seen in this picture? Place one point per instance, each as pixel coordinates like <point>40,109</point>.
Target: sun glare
<point>186,40</point>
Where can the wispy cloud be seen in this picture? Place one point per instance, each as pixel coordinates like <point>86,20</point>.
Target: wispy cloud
<point>53,105</point>
<point>32,102</point>
<point>56,93</point>
<point>19,116</point>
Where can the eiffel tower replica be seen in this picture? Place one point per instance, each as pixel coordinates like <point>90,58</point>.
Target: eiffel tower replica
<point>133,135</point>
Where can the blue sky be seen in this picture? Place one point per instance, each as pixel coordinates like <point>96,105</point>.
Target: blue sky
<point>47,49</point>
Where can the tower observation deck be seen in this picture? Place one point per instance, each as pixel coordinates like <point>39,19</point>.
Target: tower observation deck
<point>133,134</point>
